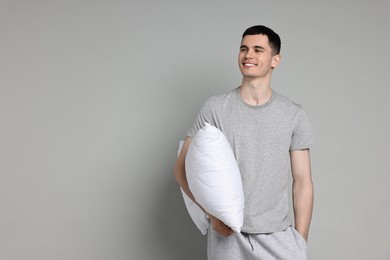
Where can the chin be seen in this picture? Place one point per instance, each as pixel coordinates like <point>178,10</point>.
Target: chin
<point>249,76</point>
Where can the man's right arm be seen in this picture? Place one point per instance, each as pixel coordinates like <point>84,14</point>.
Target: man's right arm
<point>180,176</point>
<point>180,171</point>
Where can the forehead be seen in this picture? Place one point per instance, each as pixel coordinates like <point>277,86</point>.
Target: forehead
<point>256,40</point>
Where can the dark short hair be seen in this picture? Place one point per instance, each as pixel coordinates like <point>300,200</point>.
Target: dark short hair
<point>273,37</point>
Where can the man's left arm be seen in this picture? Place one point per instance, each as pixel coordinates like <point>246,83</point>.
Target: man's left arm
<point>303,192</point>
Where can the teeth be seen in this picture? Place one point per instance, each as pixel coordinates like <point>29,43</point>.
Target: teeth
<point>249,64</point>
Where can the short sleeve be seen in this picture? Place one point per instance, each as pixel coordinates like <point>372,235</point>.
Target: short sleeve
<point>302,136</point>
<point>204,115</point>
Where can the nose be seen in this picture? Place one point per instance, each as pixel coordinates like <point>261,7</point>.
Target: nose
<point>248,54</point>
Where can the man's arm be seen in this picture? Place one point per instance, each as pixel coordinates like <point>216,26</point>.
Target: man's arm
<point>179,170</point>
<point>303,192</point>
<point>180,176</point>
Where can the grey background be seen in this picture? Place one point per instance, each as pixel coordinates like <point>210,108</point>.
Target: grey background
<point>95,96</point>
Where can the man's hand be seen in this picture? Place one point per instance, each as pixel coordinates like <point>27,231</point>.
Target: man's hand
<point>220,227</point>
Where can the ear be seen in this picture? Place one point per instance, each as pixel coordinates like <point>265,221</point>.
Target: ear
<point>275,60</point>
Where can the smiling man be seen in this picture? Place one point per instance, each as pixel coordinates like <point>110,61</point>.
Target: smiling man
<point>271,137</point>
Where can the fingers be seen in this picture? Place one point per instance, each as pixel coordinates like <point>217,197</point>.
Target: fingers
<point>220,227</point>
<point>226,232</point>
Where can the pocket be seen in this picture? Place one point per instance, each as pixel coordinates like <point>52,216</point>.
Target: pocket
<point>299,239</point>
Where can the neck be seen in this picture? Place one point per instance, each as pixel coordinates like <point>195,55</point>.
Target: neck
<point>255,92</point>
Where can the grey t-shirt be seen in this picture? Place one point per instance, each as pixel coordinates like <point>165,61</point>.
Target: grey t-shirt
<point>261,138</point>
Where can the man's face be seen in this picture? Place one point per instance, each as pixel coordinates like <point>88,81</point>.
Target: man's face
<point>255,58</point>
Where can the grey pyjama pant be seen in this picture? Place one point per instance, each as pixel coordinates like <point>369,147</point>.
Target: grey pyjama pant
<point>284,245</point>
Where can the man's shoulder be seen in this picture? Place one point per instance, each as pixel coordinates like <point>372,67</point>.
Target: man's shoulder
<point>285,101</point>
<point>219,99</point>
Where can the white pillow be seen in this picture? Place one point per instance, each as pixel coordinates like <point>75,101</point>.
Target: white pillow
<point>214,178</point>
<point>196,213</point>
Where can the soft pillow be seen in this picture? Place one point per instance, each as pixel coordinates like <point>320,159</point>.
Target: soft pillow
<point>196,213</point>
<point>214,178</point>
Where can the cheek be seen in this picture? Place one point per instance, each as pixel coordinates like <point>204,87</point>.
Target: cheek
<point>239,59</point>
<point>241,55</point>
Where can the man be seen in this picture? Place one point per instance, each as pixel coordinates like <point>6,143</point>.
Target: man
<point>270,136</point>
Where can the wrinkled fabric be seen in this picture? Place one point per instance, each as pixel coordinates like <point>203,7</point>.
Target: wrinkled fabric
<point>214,178</point>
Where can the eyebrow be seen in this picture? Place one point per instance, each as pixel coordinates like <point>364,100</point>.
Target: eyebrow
<point>256,47</point>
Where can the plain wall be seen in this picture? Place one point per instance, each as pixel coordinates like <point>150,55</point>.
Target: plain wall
<point>95,96</point>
